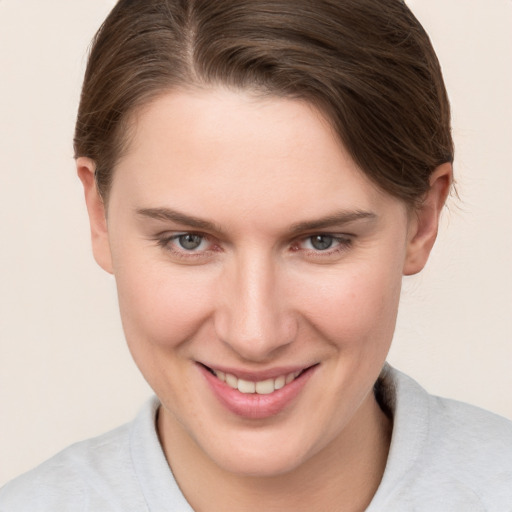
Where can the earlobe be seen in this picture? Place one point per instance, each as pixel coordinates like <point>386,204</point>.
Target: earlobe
<point>424,222</point>
<point>97,214</point>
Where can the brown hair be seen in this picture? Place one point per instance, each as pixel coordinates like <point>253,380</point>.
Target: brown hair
<point>367,64</point>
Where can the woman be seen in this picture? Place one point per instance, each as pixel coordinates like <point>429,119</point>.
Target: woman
<point>259,176</point>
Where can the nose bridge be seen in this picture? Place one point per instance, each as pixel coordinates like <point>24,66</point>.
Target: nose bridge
<point>254,317</point>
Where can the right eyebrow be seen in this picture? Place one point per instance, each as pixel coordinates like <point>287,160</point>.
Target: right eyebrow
<point>168,214</point>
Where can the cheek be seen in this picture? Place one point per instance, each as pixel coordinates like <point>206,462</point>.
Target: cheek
<point>159,307</point>
<point>356,309</point>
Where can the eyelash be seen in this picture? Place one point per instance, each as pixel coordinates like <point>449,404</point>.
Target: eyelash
<point>342,244</point>
<point>166,243</point>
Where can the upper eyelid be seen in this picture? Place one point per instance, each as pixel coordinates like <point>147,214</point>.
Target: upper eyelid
<point>324,232</point>
<point>172,235</point>
<point>338,238</point>
<point>335,236</point>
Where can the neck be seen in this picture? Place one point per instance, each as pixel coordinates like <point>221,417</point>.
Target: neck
<point>343,476</point>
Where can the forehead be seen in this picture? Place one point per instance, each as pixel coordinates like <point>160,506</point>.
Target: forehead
<point>242,122</point>
<point>254,153</point>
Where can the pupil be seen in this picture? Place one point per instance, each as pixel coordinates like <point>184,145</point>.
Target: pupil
<point>190,241</point>
<point>321,242</point>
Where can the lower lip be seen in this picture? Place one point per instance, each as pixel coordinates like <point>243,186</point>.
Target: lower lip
<point>252,405</point>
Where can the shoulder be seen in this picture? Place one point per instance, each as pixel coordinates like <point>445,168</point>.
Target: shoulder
<point>467,436</point>
<point>84,476</point>
<point>445,454</point>
<point>473,446</point>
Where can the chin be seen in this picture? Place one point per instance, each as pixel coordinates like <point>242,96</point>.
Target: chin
<point>265,453</point>
<point>264,464</point>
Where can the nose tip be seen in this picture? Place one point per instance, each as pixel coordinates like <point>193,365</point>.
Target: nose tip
<point>255,335</point>
<point>254,317</point>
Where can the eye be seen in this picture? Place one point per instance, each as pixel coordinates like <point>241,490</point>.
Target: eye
<point>189,241</point>
<point>321,242</point>
<point>325,243</point>
<point>187,245</point>
<point>323,246</point>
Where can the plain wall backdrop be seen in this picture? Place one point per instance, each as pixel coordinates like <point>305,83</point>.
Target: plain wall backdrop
<point>65,373</point>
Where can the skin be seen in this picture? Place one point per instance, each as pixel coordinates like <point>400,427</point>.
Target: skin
<point>256,294</point>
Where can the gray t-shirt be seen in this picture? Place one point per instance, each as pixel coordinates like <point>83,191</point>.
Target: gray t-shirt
<point>444,456</point>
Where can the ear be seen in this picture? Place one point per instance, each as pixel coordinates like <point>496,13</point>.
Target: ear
<point>97,214</point>
<point>424,221</point>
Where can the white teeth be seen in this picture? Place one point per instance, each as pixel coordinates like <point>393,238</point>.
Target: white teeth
<point>231,381</point>
<point>280,382</point>
<point>262,387</point>
<point>289,378</point>
<point>245,386</point>
<point>265,387</point>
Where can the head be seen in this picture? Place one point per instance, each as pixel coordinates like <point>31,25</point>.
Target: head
<point>259,175</point>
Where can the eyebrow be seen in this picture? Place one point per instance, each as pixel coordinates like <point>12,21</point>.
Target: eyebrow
<point>334,219</point>
<point>168,214</point>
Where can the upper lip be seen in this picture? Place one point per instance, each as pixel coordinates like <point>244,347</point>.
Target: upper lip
<point>258,375</point>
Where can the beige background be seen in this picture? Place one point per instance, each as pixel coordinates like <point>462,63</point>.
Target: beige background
<point>65,373</point>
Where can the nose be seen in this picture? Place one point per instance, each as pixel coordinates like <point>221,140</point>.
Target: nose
<point>254,317</point>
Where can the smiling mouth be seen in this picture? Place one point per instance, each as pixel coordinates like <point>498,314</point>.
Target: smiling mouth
<point>262,387</point>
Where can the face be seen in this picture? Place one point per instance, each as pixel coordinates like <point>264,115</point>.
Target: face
<point>250,252</point>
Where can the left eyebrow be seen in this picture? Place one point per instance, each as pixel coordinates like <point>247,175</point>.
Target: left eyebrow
<point>335,219</point>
